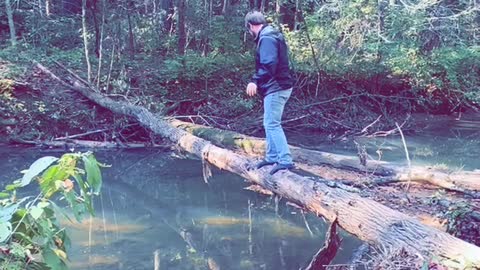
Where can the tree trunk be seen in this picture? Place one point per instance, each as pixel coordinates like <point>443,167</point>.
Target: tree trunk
<point>182,39</point>
<point>278,12</point>
<point>296,22</point>
<point>131,38</point>
<point>205,40</point>
<point>225,7</point>
<point>11,24</point>
<point>100,45</point>
<point>48,7</point>
<point>93,10</point>
<point>365,218</point>
<point>310,160</point>
<point>85,40</point>
<point>312,48</point>
<point>40,7</point>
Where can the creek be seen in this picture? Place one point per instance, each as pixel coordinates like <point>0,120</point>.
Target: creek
<point>156,201</point>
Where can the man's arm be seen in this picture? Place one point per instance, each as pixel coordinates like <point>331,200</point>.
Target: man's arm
<point>268,61</point>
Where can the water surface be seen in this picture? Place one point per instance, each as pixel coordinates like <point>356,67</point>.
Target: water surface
<point>157,201</point>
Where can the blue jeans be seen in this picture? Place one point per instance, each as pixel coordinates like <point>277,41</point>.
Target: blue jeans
<point>277,146</point>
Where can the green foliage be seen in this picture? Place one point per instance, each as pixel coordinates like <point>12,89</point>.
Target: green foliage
<point>426,49</point>
<point>216,68</point>
<point>361,40</point>
<point>29,227</point>
<point>61,32</point>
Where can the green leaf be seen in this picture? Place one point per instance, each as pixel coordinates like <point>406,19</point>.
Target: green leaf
<point>37,167</point>
<point>5,231</point>
<point>60,210</point>
<point>84,193</point>
<point>49,179</point>
<point>4,195</point>
<point>20,236</point>
<point>36,212</point>
<point>61,254</point>
<point>94,177</point>
<point>43,204</point>
<point>78,208</point>
<point>52,260</point>
<point>6,213</point>
<point>12,187</point>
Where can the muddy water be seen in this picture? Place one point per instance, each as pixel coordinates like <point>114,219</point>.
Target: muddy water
<point>154,201</point>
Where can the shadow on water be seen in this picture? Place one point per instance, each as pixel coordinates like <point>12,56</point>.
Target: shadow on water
<point>154,201</point>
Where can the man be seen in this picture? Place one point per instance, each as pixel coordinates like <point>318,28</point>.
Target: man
<point>272,80</point>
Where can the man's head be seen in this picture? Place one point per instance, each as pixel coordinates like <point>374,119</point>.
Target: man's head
<point>254,21</point>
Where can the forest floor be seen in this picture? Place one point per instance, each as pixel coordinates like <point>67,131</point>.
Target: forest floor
<point>36,110</point>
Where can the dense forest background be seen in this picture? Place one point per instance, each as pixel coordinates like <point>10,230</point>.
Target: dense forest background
<point>354,61</point>
<point>361,68</point>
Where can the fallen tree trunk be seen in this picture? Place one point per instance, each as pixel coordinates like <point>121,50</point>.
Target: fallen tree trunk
<point>365,218</point>
<point>72,143</point>
<point>256,147</point>
<point>309,160</point>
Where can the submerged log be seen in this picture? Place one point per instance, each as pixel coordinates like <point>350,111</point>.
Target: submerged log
<point>327,253</point>
<point>365,218</point>
<point>309,160</point>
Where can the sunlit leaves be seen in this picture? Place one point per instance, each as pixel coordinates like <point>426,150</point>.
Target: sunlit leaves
<point>94,178</point>
<point>29,224</point>
<point>37,167</point>
<point>5,230</point>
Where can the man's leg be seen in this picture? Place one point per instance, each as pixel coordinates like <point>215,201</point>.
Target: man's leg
<point>271,155</point>
<point>273,126</point>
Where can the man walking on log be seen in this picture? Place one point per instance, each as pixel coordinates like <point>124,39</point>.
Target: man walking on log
<point>273,81</point>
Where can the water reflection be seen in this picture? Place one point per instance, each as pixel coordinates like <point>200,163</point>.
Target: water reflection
<point>154,202</point>
<point>442,141</point>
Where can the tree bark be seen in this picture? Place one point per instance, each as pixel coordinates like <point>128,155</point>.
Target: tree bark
<point>131,38</point>
<point>225,7</point>
<point>309,160</point>
<point>100,45</point>
<point>182,39</point>
<point>96,26</point>
<point>365,218</point>
<point>296,21</point>
<point>40,7</point>
<point>85,40</point>
<point>11,24</point>
<point>48,8</point>
<point>278,13</point>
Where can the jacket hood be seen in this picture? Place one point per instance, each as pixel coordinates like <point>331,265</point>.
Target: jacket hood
<point>267,30</point>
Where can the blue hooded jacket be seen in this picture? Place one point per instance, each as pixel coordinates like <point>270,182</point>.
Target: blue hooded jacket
<point>272,72</point>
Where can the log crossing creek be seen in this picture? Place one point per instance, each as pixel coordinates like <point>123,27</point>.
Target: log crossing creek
<point>375,221</point>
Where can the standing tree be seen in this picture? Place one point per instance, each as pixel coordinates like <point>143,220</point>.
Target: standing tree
<point>48,8</point>
<point>11,25</point>
<point>182,37</point>
<point>100,45</point>
<point>85,39</point>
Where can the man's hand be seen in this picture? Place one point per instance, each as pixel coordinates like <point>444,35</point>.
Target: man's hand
<point>251,89</point>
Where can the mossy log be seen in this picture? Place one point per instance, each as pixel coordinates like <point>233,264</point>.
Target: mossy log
<point>365,218</point>
<point>310,160</point>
